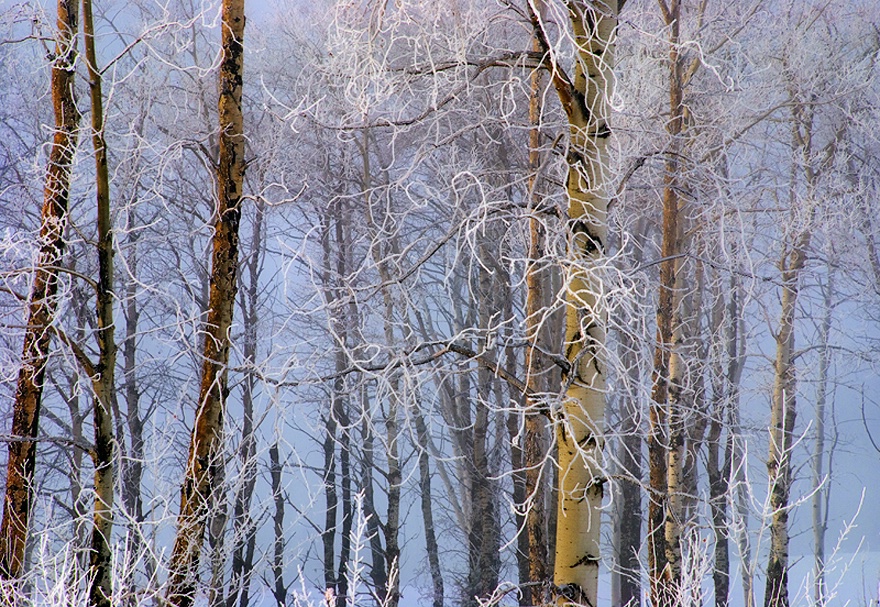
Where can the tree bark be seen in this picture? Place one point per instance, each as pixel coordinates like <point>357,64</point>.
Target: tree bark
<point>100,561</point>
<point>279,590</point>
<point>206,441</point>
<point>243,525</point>
<point>585,100</point>
<point>821,488</point>
<point>427,512</point>
<point>666,443</point>
<point>534,453</point>
<point>42,303</point>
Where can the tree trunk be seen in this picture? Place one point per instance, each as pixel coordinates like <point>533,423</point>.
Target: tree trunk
<point>537,370</point>
<point>42,302</point>
<point>629,540</point>
<point>783,403</point>
<point>132,464</point>
<point>782,418</point>
<point>100,562</point>
<point>821,488</point>
<point>378,573</point>
<point>243,525</point>
<point>666,444</point>
<point>585,100</point>
<point>279,590</point>
<point>427,512</point>
<point>626,575</point>
<point>206,441</point>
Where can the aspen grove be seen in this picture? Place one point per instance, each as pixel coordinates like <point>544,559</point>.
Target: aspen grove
<point>359,303</point>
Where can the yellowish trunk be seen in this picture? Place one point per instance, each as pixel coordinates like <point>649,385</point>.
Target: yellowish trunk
<point>580,429</point>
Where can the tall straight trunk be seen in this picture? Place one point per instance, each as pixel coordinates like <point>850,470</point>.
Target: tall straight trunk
<point>328,534</point>
<point>132,464</point>
<point>666,444</point>
<point>427,511</point>
<point>579,433</point>
<point>378,572</point>
<point>206,442</point>
<point>279,590</point>
<point>483,541</point>
<point>347,320</point>
<point>243,525</point>
<point>534,453</point>
<point>347,506</point>
<point>42,303</point>
<point>629,532</point>
<point>394,476</point>
<point>100,561</point>
<point>518,478</point>
<point>626,586</point>
<point>740,508</point>
<point>783,406</point>
<point>718,460</point>
<point>782,419</point>
<point>821,489</point>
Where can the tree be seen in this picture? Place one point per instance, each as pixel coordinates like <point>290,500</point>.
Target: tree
<point>585,100</point>
<point>42,301</point>
<point>200,476</point>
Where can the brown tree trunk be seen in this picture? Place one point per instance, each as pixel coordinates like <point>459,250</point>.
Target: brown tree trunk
<point>579,434</point>
<point>279,590</point>
<point>666,443</point>
<point>100,562</point>
<point>42,302</point>
<point>427,512</point>
<point>534,453</point>
<point>206,442</point>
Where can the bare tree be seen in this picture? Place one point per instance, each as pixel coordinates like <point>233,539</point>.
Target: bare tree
<point>205,452</point>
<point>42,305</point>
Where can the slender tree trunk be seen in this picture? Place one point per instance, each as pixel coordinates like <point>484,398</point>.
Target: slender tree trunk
<point>666,444</point>
<point>782,419</point>
<point>328,535</point>
<point>783,407</point>
<point>534,453</point>
<point>427,511</point>
<point>100,562</point>
<point>243,526</point>
<point>378,572</point>
<point>391,528</point>
<point>42,303</point>
<point>133,461</point>
<point>629,540</point>
<point>725,390</point>
<point>820,487</point>
<point>347,511</point>
<point>585,100</point>
<point>206,442</point>
<point>626,575</point>
<point>279,590</point>
<point>348,319</point>
<point>218,517</point>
